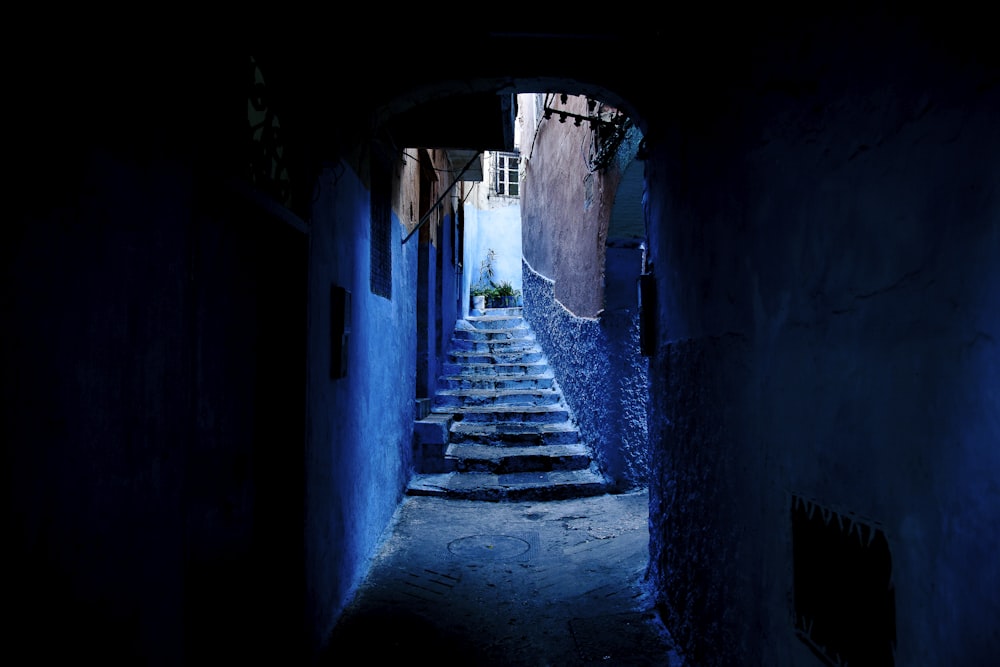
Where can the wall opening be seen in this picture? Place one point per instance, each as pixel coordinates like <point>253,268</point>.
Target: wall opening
<point>844,601</point>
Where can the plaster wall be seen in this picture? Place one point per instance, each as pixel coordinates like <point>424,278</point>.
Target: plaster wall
<point>596,359</point>
<point>447,292</point>
<point>448,271</point>
<point>424,196</point>
<point>359,455</point>
<point>565,208</point>
<point>825,262</point>
<point>498,226</point>
<point>602,376</point>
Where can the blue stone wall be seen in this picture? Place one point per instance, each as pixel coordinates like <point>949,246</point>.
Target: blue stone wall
<point>360,427</point>
<point>602,375</point>
<point>827,279</point>
<point>449,291</point>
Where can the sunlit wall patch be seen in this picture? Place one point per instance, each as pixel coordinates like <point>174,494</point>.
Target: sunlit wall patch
<point>844,600</point>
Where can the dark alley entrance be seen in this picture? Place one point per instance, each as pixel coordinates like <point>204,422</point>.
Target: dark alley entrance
<point>210,322</point>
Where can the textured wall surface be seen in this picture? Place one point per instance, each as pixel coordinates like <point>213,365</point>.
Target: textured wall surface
<point>602,376</point>
<point>360,426</point>
<point>826,265</point>
<point>565,207</point>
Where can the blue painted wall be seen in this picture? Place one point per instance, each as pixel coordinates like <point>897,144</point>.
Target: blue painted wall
<point>449,293</point>
<point>828,284</point>
<point>602,375</point>
<point>360,427</point>
<point>499,229</point>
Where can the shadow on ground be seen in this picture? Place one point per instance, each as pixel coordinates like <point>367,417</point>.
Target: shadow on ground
<point>477,583</point>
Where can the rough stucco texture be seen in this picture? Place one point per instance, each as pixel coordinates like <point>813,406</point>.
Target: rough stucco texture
<point>828,288</point>
<point>359,452</point>
<point>697,534</point>
<point>602,375</point>
<point>565,209</point>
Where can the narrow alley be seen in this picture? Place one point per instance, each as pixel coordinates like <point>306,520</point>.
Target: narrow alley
<point>759,249</point>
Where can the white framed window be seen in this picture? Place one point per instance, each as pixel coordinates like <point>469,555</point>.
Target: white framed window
<point>508,181</point>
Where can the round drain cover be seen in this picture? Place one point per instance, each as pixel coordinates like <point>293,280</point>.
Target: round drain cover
<point>488,546</point>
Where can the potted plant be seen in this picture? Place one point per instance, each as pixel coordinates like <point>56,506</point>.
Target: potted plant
<point>483,291</point>
<point>492,296</point>
<point>506,295</point>
<point>479,293</point>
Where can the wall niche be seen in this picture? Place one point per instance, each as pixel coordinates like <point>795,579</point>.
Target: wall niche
<point>844,601</point>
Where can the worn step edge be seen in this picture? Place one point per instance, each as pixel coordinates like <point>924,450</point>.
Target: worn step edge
<point>499,460</point>
<point>457,399</point>
<point>513,428</point>
<point>494,377</point>
<point>502,408</point>
<point>553,485</point>
<point>530,391</point>
<point>533,435</point>
<point>532,368</point>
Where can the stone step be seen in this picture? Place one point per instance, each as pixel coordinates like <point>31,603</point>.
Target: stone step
<point>511,310</point>
<point>494,345</point>
<point>513,433</point>
<point>484,369</point>
<point>496,322</point>
<point>519,357</point>
<point>554,485</point>
<point>501,460</point>
<point>494,335</point>
<point>498,428</point>
<point>506,414</point>
<point>469,381</point>
<point>495,396</point>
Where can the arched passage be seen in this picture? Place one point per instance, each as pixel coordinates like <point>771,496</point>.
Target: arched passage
<point>822,190</point>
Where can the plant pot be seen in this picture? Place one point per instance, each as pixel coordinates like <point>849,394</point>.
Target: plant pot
<point>479,302</point>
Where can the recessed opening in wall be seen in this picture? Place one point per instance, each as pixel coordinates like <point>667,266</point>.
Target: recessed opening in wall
<point>845,608</point>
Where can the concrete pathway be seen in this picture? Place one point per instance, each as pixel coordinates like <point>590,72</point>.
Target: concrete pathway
<point>530,583</point>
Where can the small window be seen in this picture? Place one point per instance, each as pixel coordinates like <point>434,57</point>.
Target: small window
<point>507,177</point>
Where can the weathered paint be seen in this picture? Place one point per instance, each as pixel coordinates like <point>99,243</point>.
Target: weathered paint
<point>593,340</point>
<point>355,472</point>
<point>827,274</point>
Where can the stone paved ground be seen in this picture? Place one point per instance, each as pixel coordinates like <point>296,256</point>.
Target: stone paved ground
<point>471,583</point>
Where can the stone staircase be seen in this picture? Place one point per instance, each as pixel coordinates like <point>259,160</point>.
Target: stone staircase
<point>498,427</point>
